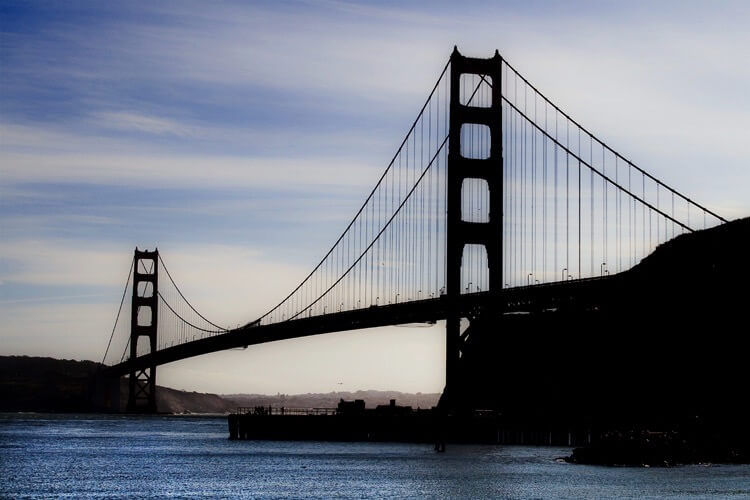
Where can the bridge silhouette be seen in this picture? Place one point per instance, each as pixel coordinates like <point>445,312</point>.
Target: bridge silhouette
<point>495,200</point>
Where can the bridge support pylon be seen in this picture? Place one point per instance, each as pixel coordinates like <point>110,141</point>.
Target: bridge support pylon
<point>143,327</point>
<point>460,231</point>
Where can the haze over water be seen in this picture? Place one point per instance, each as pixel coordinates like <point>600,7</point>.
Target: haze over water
<point>85,455</point>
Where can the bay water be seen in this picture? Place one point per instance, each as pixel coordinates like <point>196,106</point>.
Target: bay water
<point>189,456</point>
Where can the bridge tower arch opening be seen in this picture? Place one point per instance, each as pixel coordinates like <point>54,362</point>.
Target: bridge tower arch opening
<point>485,167</point>
<point>143,329</point>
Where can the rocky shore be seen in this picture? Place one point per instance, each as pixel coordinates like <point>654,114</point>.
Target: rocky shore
<point>644,448</point>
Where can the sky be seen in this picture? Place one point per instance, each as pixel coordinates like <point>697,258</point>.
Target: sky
<point>240,138</point>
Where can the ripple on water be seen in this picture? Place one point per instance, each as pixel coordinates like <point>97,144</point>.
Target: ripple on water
<point>86,455</point>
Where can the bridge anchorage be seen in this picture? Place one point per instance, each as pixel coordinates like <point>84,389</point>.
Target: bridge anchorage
<point>496,204</point>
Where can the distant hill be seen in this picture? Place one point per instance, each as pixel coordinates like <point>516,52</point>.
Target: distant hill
<point>63,386</point>
<point>44,384</point>
<point>331,399</point>
<point>174,401</point>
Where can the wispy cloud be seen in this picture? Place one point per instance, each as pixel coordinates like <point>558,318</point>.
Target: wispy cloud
<point>123,120</point>
<point>175,170</point>
<point>50,262</point>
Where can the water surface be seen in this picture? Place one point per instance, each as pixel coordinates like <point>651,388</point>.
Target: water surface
<point>85,455</point>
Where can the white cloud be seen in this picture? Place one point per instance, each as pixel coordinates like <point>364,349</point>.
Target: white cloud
<point>232,284</point>
<point>55,262</point>
<point>124,120</point>
<point>65,331</point>
<point>161,170</point>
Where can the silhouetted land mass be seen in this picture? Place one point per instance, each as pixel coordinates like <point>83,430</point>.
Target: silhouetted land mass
<point>372,399</point>
<point>659,348</point>
<point>64,386</point>
<point>44,384</point>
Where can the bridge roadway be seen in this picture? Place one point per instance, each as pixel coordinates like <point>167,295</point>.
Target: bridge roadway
<point>581,293</point>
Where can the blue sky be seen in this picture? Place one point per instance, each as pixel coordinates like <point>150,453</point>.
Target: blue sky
<point>240,137</point>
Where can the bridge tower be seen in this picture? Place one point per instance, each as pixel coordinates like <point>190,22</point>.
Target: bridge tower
<point>143,325</point>
<point>461,232</point>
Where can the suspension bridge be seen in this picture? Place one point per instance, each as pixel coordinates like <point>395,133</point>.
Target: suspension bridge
<point>496,201</point>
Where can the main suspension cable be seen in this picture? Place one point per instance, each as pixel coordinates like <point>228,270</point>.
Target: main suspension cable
<point>186,300</point>
<point>122,301</point>
<point>221,330</point>
<point>367,200</point>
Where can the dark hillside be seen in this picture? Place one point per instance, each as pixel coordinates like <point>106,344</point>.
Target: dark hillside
<point>59,385</point>
<point>44,384</point>
<point>663,347</point>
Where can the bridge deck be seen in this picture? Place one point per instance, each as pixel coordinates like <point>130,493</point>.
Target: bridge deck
<point>536,297</point>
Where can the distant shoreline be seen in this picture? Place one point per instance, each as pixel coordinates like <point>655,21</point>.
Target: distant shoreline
<point>47,385</point>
